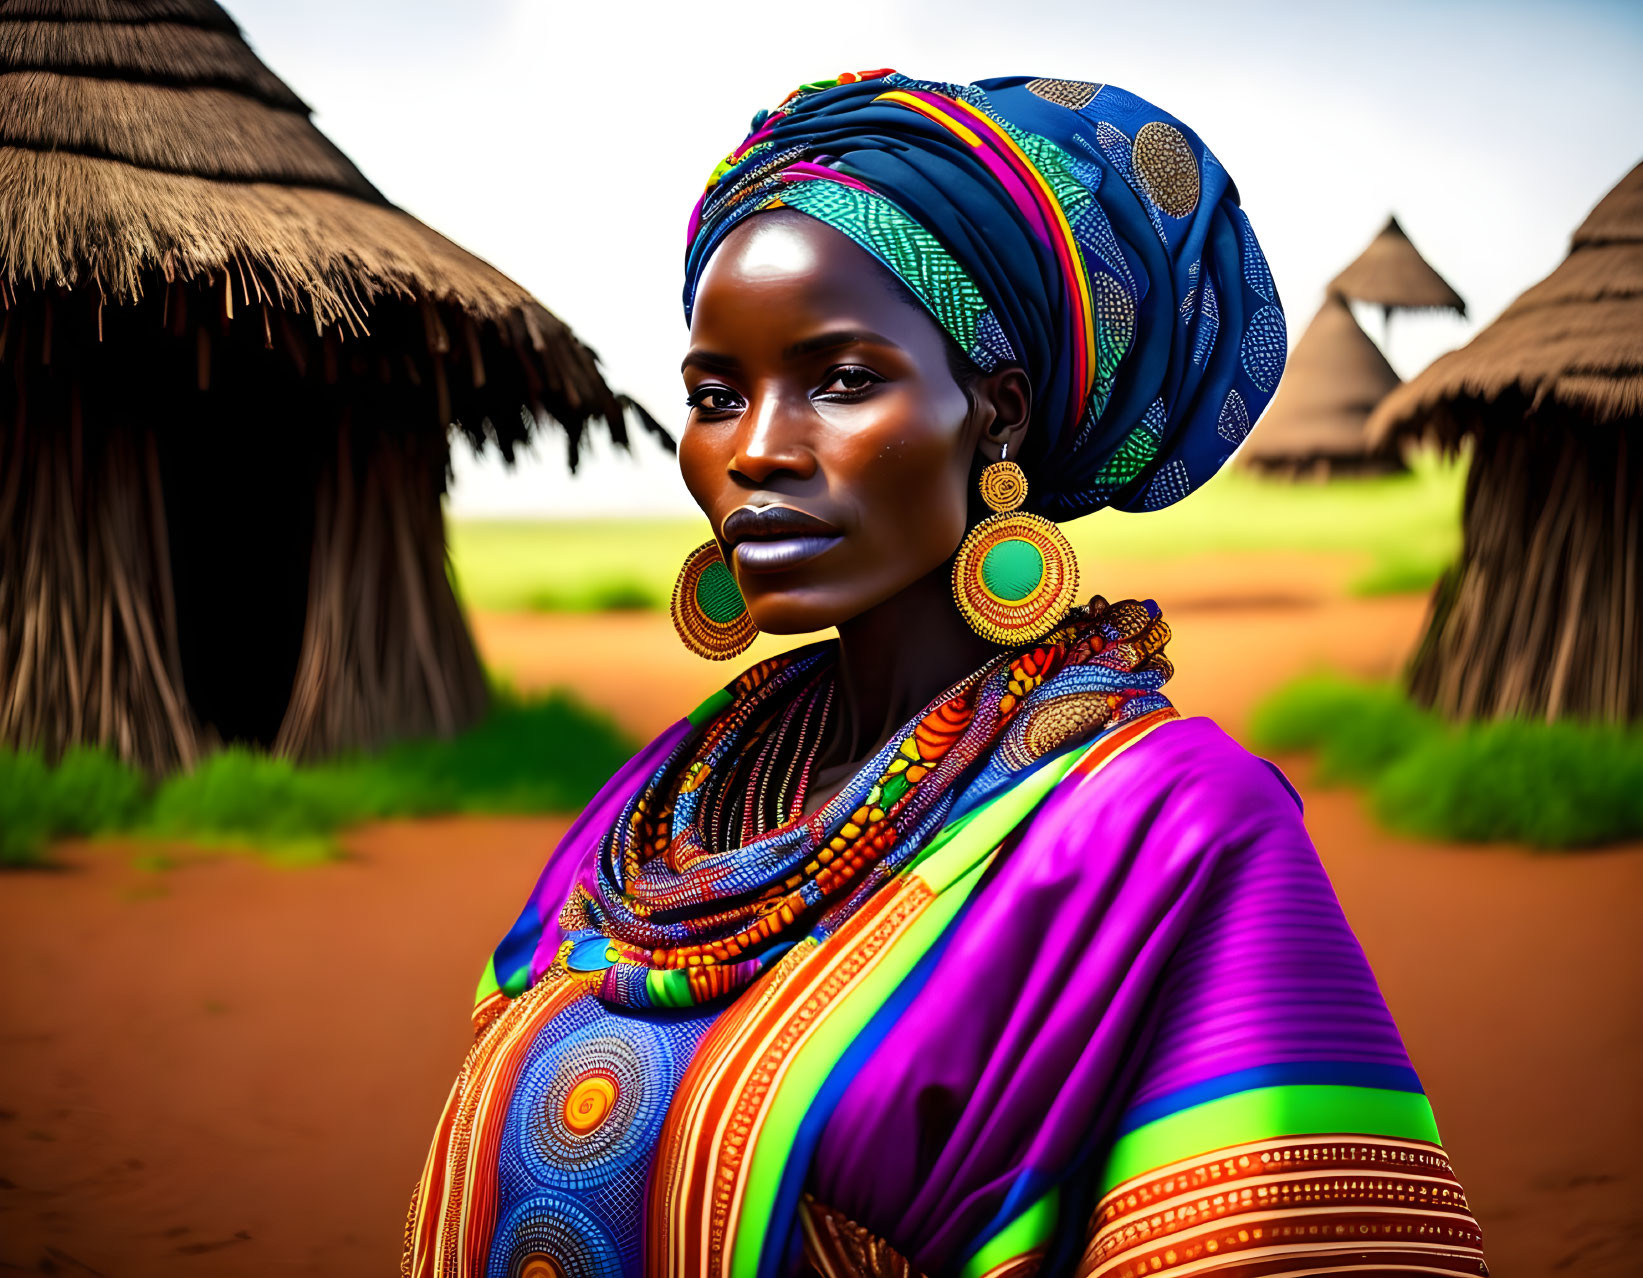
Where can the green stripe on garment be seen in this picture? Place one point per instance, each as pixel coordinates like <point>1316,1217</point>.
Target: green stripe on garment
<point>668,987</point>
<point>1264,1113</point>
<point>950,866</point>
<point>1030,1231</point>
<point>955,848</point>
<point>808,1068</point>
<point>488,984</point>
<point>702,713</point>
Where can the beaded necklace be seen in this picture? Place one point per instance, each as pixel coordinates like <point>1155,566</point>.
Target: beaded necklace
<point>712,871</point>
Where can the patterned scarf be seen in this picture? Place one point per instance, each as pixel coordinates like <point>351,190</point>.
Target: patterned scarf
<point>704,879</point>
<point>1066,226</point>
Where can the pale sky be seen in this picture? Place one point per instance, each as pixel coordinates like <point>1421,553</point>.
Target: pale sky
<point>566,143</point>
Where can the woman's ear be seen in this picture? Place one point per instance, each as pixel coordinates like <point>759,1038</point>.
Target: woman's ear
<point>1004,398</point>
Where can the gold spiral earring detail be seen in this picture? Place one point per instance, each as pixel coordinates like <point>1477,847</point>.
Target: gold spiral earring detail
<point>708,609</point>
<point>1015,575</point>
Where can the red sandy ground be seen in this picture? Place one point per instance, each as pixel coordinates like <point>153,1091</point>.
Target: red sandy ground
<point>223,1067</point>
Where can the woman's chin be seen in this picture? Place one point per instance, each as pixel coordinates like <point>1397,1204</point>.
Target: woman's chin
<point>799,612</point>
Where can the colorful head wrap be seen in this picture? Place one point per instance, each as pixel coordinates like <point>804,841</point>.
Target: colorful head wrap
<point>1071,228</point>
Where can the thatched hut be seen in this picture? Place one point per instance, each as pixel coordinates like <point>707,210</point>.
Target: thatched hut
<point>229,371</point>
<point>1543,615</point>
<point>1392,274</point>
<point>1315,424</point>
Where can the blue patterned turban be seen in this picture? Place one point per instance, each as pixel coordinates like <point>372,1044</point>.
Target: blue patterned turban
<point>1071,228</point>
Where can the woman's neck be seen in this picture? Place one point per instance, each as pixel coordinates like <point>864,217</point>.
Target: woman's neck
<point>894,659</point>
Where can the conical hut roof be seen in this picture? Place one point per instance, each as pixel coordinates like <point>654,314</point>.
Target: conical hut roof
<point>142,142</point>
<point>1392,273</point>
<point>1334,377</point>
<point>1573,341</point>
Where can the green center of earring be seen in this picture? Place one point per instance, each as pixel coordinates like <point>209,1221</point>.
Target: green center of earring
<point>717,594</point>
<point>1012,569</point>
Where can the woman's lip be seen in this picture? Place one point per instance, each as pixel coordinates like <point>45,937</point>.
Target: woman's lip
<point>773,521</point>
<point>777,554</point>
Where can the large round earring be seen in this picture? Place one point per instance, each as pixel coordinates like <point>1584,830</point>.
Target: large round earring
<point>1015,575</point>
<point>708,609</point>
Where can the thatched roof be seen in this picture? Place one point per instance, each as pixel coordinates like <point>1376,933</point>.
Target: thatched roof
<point>143,143</point>
<point>1392,273</point>
<point>1334,377</point>
<point>1573,342</point>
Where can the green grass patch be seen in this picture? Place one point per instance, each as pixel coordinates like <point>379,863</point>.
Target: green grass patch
<point>87,792</point>
<point>1399,576</point>
<point>570,565</point>
<point>1407,526</point>
<point>612,596</point>
<point>1550,785</point>
<point>1408,517</point>
<point>544,754</point>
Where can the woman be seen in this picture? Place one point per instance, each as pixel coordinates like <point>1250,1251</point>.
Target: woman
<point>946,947</point>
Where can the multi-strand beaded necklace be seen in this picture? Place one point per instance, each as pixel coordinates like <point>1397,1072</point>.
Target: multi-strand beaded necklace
<point>713,870</point>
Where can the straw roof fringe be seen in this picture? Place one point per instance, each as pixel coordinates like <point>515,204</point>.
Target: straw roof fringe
<point>1392,273</point>
<point>1573,342</point>
<point>204,132</point>
<point>1334,377</point>
<point>1617,218</point>
<point>199,13</point>
<point>74,220</point>
<point>155,52</point>
<point>143,144</point>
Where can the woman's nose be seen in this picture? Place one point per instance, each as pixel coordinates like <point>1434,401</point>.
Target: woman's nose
<point>773,439</point>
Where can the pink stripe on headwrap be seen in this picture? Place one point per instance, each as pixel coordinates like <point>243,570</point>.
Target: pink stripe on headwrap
<point>805,171</point>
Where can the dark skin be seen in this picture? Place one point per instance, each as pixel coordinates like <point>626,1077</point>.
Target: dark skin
<point>817,386</point>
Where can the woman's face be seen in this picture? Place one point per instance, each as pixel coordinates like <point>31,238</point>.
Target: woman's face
<point>828,441</point>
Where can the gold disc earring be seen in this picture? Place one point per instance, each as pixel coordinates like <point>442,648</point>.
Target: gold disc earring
<point>708,609</point>
<point>1015,575</point>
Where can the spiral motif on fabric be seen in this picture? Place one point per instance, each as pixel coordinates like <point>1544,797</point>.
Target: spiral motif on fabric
<point>1003,485</point>
<point>590,1102</point>
<point>592,1106</point>
<point>1166,168</point>
<point>551,1235</point>
<point>1015,577</point>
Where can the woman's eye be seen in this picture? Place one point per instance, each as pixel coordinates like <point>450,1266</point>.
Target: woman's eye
<point>713,399</point>
<point>851,379</point>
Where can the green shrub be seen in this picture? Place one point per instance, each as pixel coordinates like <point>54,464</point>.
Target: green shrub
<point>546,754</point>
<point>1551,785</point>
<point>1356,729</point>
<point>242,793</point>
<point>543,754</point>
<point>86,792</point>
<point>25,813</point>
<point>91,791</point>
<point>1401,575</point>
<point>612,596</point>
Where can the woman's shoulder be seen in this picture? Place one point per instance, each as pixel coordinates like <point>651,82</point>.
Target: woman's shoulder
<point>1183,790</point>
<point>1188,759</point>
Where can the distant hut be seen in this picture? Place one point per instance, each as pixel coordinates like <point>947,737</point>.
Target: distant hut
<point>1543,615</point>
<point>228,368</point>
<point>1315,424</point>
<point>1392,274</point>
